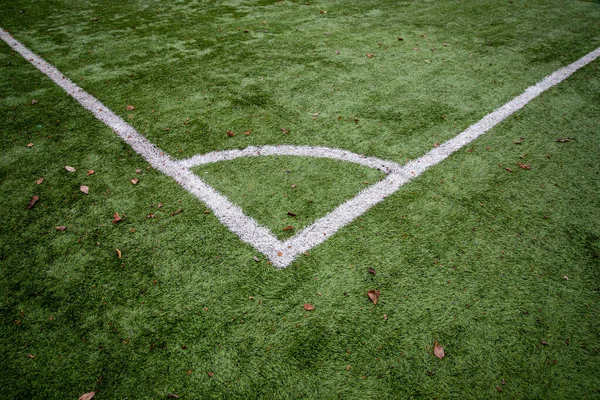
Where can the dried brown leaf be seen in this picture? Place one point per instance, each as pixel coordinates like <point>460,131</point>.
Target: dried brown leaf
<point>293,186</point>
<point>211,374</point>
<point>30,145</point>
<point>564,139</point>
<point>291,214</point>
<point>508,169</point>
<point>90,172</point>
<point>247,133</point>
<point>285,131</point>
<point>256,259</point>
<point>69,168</point>
<point>87,396</point>
<point>372,271</point>
<point>32,202</point>
<point>30,356</point>
<point>84,189</point>
<point>374,295</point>
<point>130,108</point>
<point>117,218</point>
<point>39,181</point>
<point>288,228</point>
<point>369,55</point>
<point>61,228</point>
<point>309,307</point>
<point>438,350</point>
<point>348,367</point>
<point>119,254</point>
<point>230,133</point>
<point>176,212</point>
<point>524,166</point>
<point>33,102</point>
<point>135,181</point>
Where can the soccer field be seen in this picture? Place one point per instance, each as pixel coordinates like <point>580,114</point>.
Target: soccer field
<point>201,198</point>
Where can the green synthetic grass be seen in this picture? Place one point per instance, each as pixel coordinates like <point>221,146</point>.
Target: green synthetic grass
<point>268,188</point>
<point>469,254</point>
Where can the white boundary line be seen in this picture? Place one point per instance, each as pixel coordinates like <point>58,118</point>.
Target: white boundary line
<point>280,253</point>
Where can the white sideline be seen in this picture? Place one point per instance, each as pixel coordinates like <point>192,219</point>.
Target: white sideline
<point>280,253</point>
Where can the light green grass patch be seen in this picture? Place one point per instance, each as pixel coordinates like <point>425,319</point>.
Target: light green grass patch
<point>268,188</point>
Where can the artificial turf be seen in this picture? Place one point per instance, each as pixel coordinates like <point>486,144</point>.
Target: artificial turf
<point>501,268</point>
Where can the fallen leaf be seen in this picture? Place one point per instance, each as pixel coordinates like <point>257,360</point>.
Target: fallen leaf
<point>32,202</point>
<point>117,218</point>
<point>309,307</point>
<point>323,11</point>
<point>438,350</point>
<point>248,132</point>
<point>519,141</point>
<point>444,44</point>
<point>150,215</point>
<point>31,356</point>
<point>372,271</point>
<point>33,102</point>
<point>291,214</point>
<point>566,278</point>
<point>69,168</point>
<point>374,295</point>
<point>316,115</point>
<point>348,367</point>
<point>206,212</point>
<point>415,48</point>
<point>84,189</point>
<point>564,139</point>
<point>544,343</point>
<point>293,186</point>
<point>503,382</point>
<point>159,205</point>
<point>279,253</point>
<point>87,396</point>
<point>508,169</point>
<point>256,259</point>
<point>189,371</point>
<point>90,172</point>
<point>172,396</point>
<point>130,108</point>
<point>135,181</point>
<point>211,374</point>
<point>337,52</point>
<point>30,145</point>
<point>524,166</point>
<point>400,39</point>
<point>369,55</point>
<point>230,133</point>
<point>176,212</point>
<point>288,228</point>
<point>138,171</point>
<point>61,228</point>
<point>119,254</point>
<point>285,131</point>
<point>39,181</point>
<point>385,317</point>
<point>499,389</point>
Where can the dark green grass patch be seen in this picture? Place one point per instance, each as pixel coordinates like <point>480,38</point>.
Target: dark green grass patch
<point>470,254</point>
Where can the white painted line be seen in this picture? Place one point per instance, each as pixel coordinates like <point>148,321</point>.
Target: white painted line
<point>283,253</point>
<point>287,150</point>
